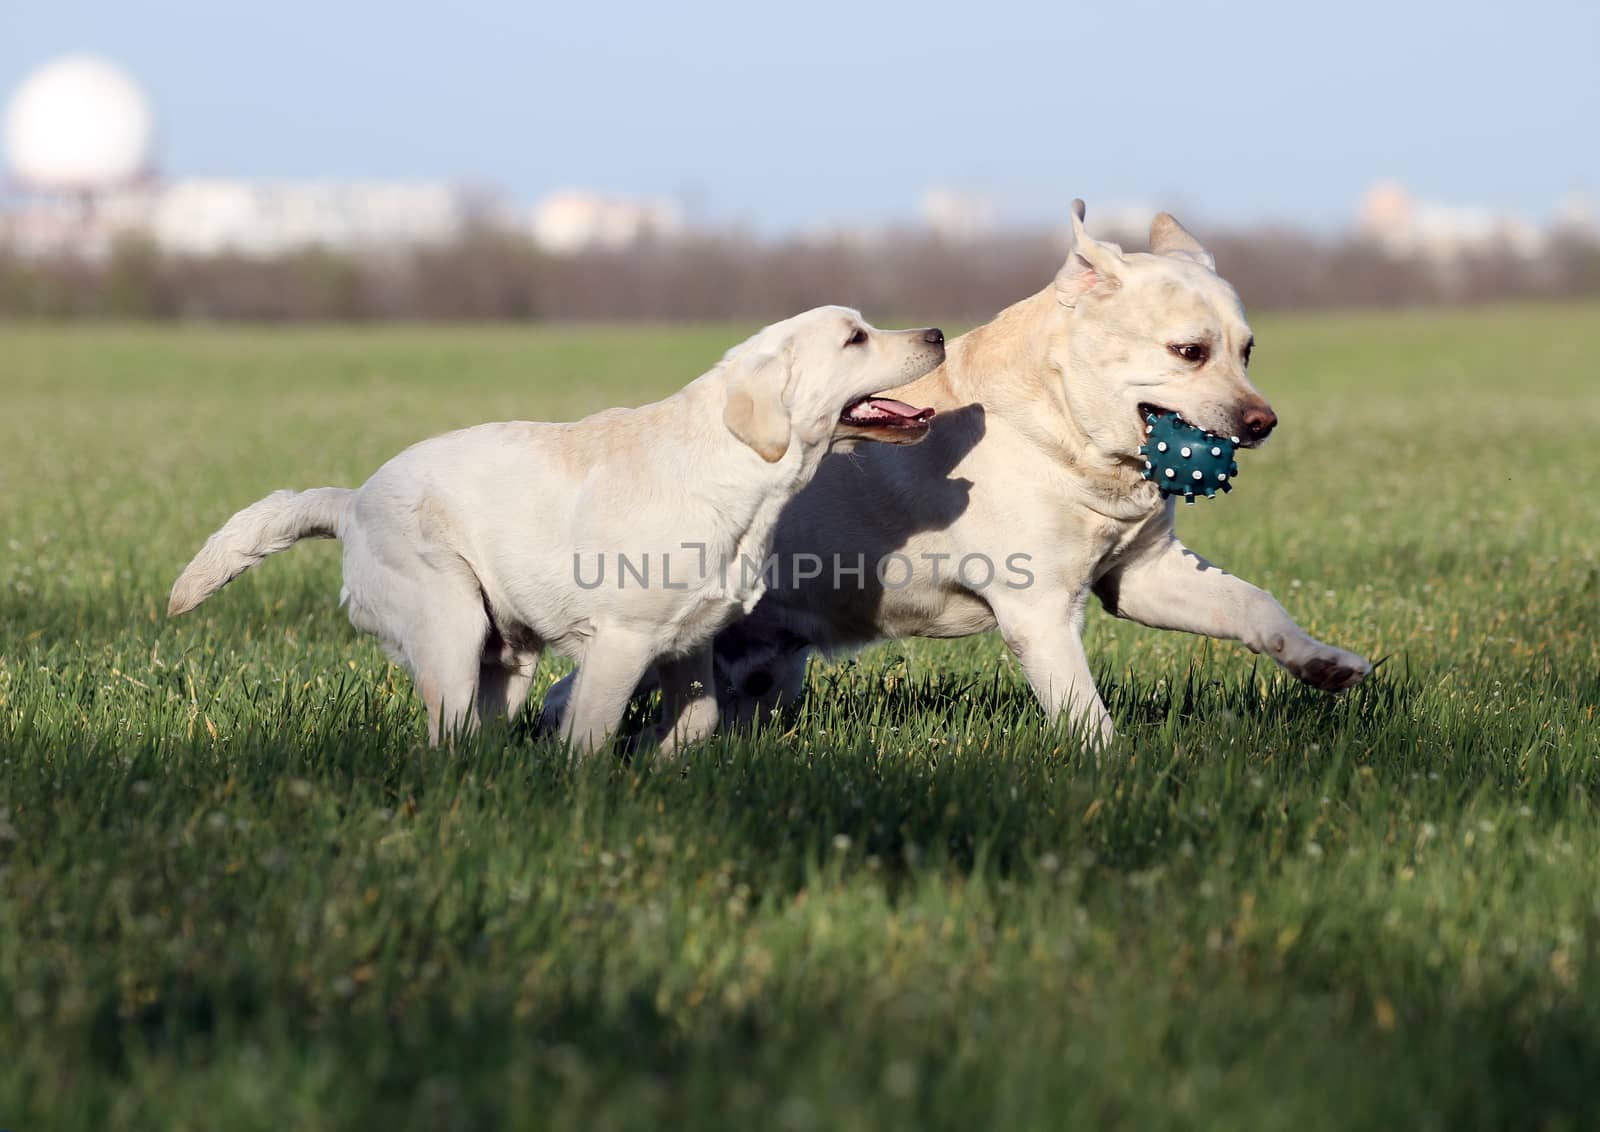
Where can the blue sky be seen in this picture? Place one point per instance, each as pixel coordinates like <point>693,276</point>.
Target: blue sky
<point>788,114</point>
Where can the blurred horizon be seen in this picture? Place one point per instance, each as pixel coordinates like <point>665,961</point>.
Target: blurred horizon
<point>351,161</point>
<point>789,121</point>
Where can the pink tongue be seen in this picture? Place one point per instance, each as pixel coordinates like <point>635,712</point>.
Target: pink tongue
<point>896,408</point>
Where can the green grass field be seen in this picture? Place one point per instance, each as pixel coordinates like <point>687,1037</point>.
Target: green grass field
<point>238,892</point>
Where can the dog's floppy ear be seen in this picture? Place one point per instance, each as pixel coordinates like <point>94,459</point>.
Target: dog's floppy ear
<point>1090,264</point>
<point>1169,238</point>
<point>754,411</point>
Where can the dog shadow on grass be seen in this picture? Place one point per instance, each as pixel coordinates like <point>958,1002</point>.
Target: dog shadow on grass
<point>966,768</point>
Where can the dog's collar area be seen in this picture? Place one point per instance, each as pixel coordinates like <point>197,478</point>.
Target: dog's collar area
<point>1184,460</point>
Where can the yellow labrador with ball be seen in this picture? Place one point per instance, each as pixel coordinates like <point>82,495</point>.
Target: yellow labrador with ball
<point>1036,472</point>
<point>1029,500</point>
<point>621,540</point>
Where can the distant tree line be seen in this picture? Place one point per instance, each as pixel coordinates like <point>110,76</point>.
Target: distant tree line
<point>493,275</point>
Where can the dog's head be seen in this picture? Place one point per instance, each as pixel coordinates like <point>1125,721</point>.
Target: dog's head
<point>1154,332</point>
<point>812,379</point>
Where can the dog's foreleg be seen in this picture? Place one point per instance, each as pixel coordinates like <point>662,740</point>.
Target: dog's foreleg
<point>554,708</point>
<point>688,701</point>
<point>611,667</point>
<point>1048,643</point>
<point>1172,587</point>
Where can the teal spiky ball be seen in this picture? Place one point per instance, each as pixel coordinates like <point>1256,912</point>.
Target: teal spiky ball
<point>1184,460</point>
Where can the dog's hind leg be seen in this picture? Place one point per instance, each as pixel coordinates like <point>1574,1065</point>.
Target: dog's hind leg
<point>760,672</point>
<point>442,644</point>
<point>688,701</point>
<point>503,686</point>
<point>554,708</point>
<point>445,668</point>
<point>753,695</point>
<point>424,603</point>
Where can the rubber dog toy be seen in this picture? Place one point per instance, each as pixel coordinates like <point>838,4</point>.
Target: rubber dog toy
<point>1185,460</point>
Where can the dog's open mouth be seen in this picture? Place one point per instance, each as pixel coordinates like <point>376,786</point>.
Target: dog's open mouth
<point>886,413</point>
<point>1148,410</point>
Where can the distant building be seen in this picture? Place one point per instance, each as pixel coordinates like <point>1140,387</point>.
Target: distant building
<point>1575,216</point>
<point>80,155</point>
<point>263,218</point>
<point>79,125</point>
<point>1123,221</point>
<point>573,220</point>
<point>1442,234</point>
<point>80,140</point>
<point>213,216</point>
<point>959,215</point>
<point>955,214</point>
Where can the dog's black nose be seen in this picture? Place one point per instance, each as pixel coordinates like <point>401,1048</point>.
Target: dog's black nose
<point>933,336</point>
<point>1259,422</point>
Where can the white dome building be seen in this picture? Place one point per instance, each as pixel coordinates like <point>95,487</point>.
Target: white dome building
<point>79,165</point>
<point>79,124</point>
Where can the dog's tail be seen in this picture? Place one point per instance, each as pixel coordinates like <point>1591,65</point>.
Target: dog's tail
<point>275,523</point>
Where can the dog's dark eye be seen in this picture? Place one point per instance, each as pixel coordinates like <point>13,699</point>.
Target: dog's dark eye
<point>1191,351</point>
<point>1249,348</point>
<point>859,338</point>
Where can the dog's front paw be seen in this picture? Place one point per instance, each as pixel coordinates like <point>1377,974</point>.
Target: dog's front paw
<point>1332,670</point>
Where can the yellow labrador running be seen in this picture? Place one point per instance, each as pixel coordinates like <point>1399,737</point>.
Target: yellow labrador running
<point>1029,497</point>
<point>620,540</point>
